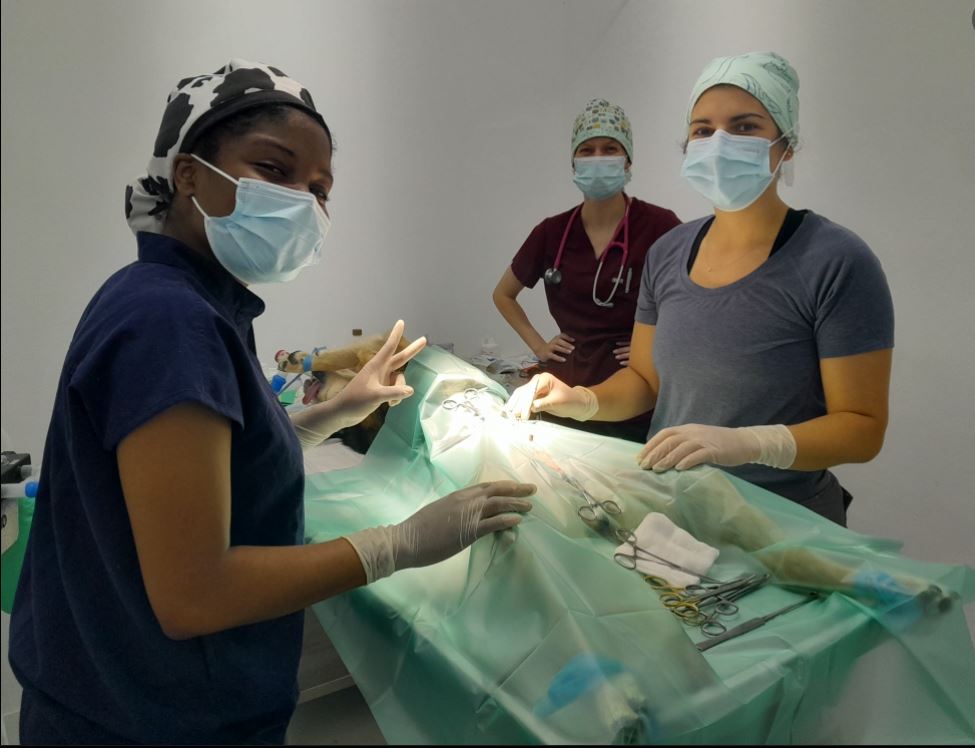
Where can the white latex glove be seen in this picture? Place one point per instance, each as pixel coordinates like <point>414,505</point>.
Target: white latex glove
<point>685,446</point>
<point>551,395</point>
<point>441,529</point>
<point>378,382</point>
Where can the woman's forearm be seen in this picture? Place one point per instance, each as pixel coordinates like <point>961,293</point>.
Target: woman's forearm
<point>515,316</point>
<point>624,395</point>
<point>836,439</point>
<point>249,584</point>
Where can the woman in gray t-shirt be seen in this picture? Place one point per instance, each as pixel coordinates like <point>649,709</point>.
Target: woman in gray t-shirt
<point>763,334</point>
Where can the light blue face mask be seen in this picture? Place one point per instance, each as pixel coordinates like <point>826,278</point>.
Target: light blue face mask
<point>731,171</point>
<point>600,177</point>
<point>272,233</point>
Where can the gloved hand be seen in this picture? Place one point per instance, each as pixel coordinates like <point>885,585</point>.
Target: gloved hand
<point>441,529</point>
<point>685,446</point>
<point>379,381</point>
<point>551,395</point>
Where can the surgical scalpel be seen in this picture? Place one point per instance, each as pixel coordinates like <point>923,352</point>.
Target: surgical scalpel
<point>751,625</point>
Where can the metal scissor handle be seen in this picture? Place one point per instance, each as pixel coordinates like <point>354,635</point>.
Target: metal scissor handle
<point>629,560</point>
<point>662,585</point>
<point>465,401</point>
<point>724,607</point>
<point>713,627</point>
<point>588,512</point>
<point>726,590</point>
<point>688,613</point>
<point>626,560</point>
<point>675,600</point>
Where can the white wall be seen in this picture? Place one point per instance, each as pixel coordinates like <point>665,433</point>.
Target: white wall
<point>452,123</point>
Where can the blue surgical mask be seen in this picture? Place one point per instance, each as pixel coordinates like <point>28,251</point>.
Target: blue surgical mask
<point>731,171</point>
<point>600,177</point>
<point>272,233</point>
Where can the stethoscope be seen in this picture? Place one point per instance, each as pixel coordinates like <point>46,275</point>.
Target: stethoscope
<point>553,276</point>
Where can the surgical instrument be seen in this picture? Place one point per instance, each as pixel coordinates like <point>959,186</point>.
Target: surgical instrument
<point>692,609</point>
<point>751,625</point>
<point>505,413</point>
<point>465,401</point>
<point>588,512</point>
<point>700,594</point>
<point>629,560</point>
<point>545,464</point>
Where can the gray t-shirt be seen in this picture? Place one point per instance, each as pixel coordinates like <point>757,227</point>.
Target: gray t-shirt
<point>748,353</point>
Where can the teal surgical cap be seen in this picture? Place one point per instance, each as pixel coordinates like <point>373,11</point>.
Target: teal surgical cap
<point>766,76</point>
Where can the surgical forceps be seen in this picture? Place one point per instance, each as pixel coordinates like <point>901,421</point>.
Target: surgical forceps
<point>688,612</point>
<point>690,608</point>
<point>628,560</point>
<point>587,513</point>
<point>700,594</point>
<point>465,401</point>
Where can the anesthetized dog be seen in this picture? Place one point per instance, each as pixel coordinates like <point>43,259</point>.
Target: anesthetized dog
<point>331,370</point>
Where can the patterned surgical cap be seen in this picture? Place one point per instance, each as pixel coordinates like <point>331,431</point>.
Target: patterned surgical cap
<point>195,105</point>
<point>600,119</point>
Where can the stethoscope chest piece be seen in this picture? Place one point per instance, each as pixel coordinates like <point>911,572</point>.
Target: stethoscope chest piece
<point>553,276</point>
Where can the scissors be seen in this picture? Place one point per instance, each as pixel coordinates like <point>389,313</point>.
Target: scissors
<point>588,512</point>
<point>689,611</point>
<point>464,401</point>
<point>545,464</point>
<point>691,608</point>
<point>703,595</point>
<point>628,560</point>
<point>709,624</point>
<point>720,597</point>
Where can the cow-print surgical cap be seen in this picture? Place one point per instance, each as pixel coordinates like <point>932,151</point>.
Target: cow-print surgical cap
<point>195,105</point>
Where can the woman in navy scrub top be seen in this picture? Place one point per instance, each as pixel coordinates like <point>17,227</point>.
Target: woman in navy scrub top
<point>163,585</point>
<point>579,255</point>
<point>764,334</point>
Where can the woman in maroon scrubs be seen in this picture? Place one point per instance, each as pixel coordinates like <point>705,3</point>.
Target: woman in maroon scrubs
<point>590,259</point>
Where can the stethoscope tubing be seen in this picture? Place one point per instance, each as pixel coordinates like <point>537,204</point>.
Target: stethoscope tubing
<point>624,245</point>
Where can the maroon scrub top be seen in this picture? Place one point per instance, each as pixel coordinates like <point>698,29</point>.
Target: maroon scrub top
<point>597,330</point>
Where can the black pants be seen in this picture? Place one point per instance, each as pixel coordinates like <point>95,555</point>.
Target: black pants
<point>831,501</point>
<point>43,722</point>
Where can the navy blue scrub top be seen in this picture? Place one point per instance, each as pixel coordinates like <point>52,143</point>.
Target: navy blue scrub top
<point>171,328</point>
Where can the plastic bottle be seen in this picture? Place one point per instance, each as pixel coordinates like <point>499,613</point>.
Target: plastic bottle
<point>26,487</point>
<point>277,383</point>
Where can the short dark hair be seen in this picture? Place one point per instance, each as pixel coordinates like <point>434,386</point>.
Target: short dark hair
<point>208,142</point>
